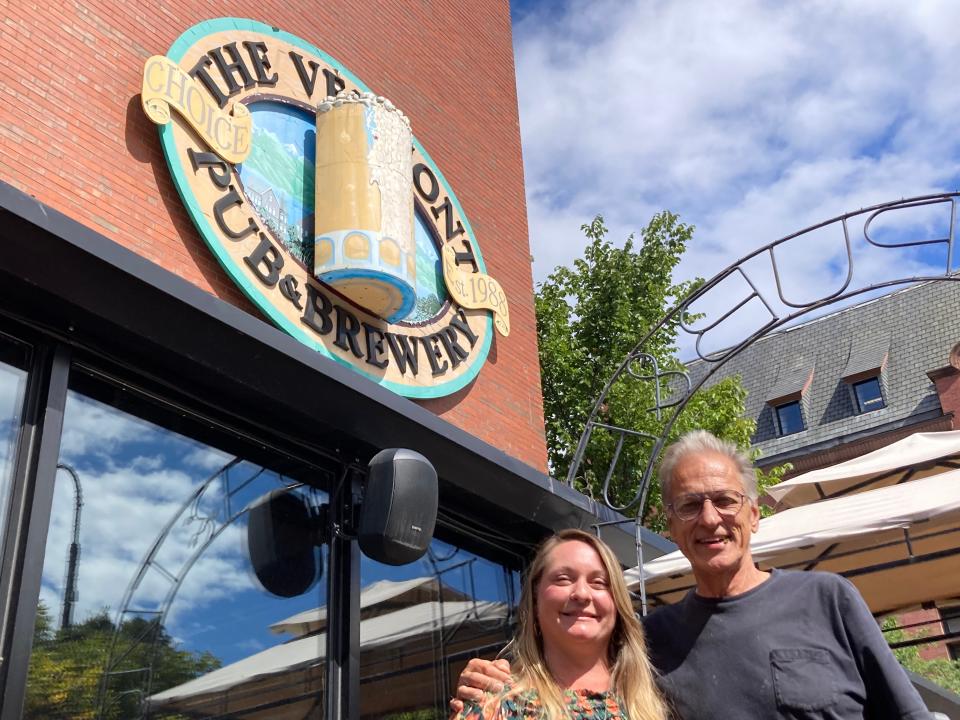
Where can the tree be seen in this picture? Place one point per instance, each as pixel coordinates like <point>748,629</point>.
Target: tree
<point>66,667</point>
<point>427,714</point>
<point>943,672</point>
<point>427,307</point>
<point>589,317</point>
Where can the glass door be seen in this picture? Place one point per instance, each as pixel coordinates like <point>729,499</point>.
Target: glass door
<point>149,607</point>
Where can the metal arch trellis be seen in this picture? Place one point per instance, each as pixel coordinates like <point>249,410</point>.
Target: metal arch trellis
<point>634,365</point>
<point>208,528</point>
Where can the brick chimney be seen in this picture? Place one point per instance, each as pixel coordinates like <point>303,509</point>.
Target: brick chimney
<point>947,382</point>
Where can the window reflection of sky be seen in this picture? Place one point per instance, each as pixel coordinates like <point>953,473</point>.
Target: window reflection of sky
<point>136,478</point>
<point>457,569</point>
<point>12,383</point>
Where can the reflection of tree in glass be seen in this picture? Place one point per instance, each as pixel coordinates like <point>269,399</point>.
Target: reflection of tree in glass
<point>428,714</point>
<point>66,668</point>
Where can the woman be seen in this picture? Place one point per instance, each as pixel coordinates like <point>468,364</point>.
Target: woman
<point>579,650</point>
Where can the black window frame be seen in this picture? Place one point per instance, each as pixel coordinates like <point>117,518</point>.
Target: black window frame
<point>780,424</point>
<point>950,619</point>
<point>858,404</point>
<point>29,509</point>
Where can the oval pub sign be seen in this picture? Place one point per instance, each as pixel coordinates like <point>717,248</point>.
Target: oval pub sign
<point>320,204</point>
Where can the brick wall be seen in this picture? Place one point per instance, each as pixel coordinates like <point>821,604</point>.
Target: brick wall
<point>861,446</point>
<point>73,135</point>
<point>947,382</point>
<point>928,623</point>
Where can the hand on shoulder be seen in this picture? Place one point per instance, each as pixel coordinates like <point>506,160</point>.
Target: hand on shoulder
<point>479,677</point>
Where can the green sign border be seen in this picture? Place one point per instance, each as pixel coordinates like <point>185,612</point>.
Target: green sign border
<point>179,48</point>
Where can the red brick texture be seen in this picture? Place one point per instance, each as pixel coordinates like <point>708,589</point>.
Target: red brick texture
<point>947,382</point>
<point>72,134</point>
<point>928,623</point>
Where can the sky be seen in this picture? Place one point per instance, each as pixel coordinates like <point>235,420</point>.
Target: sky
<point>749,119</point>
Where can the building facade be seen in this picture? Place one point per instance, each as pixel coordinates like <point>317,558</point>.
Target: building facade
<point>156,386</point>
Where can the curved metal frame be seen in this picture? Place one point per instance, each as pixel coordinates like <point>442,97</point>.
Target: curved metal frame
<point>210,528</point>
<point>679,317</point>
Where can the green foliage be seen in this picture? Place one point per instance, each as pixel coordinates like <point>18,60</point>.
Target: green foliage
<point>284,169</point>
<point>943,672</point>
<point>589,317</point>
<point>426,714</point>
<point>66,667</point>
<point>426,308</point>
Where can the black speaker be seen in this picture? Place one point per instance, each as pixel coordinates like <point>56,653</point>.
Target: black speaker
<point>281,542</point>
<point>399,510</point>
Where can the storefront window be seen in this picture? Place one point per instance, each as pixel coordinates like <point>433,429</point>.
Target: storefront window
<point>13,381</point>
<point>420,623</point>
<point>148,605</point>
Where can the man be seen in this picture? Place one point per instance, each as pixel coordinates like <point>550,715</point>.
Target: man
<point>747,643</point>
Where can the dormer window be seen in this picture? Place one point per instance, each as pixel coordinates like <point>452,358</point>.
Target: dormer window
<point>789,418</point>
<point>864,375</point>
<point>788,396</point>
<point>950,617</point>
<point>868,395</point>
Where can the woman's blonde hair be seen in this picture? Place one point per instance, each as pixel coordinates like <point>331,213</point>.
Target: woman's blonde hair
<point>631,675</point>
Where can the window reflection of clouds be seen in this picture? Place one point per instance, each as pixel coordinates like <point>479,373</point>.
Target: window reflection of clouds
<point>136,478</point>
<point>457,568</point>
<point>238,623</point>
<point>12,384</point>
<point>91,429</point>
<point>124,510</point>
<point>12,381</point>
<point>206,458</point>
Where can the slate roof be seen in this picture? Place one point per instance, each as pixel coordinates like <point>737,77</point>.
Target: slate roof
<point>913,329</point>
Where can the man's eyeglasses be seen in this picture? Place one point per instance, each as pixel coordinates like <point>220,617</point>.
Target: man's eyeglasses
<point>689,505</point>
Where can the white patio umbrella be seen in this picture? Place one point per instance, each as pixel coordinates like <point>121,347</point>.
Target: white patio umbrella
<point>916,456</point>
<point>900,545</point>
<point>284,681</point>
<point>403,627</point>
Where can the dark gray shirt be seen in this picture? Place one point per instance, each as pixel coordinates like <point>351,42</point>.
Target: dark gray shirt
<point>800,645</point>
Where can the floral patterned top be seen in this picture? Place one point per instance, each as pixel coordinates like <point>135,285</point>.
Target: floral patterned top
<point>582,704</point>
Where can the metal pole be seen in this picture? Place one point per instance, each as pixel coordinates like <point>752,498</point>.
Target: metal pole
<point>343,607</point>
<point>638,537</point>
<point>70,594</point>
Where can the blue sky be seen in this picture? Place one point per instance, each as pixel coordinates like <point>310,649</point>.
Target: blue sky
<point>750,119</point>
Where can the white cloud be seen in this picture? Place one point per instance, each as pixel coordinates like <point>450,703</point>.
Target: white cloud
<point>97,429</point>
<point>12,384</point>
<point>124,513</point>
<point>751,119</point>
<point>207,458</point>
<point>137,480</point>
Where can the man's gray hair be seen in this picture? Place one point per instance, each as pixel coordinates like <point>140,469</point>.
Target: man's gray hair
<point>697,441</point>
